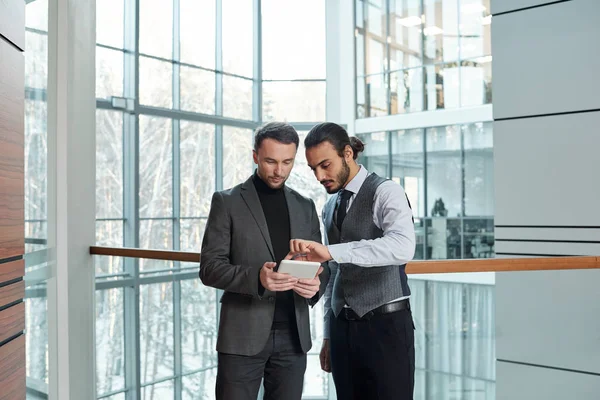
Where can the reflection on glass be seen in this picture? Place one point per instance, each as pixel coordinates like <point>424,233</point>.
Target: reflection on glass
<point>156,83</point>
<point>420,243</point>
<point>110,339</point>
<point>156,335</point>
<point>479,169</point>
<point>197,88</point>
<point>109,233</point>
<point>476,81</point>
<point>454,339</point>
<point>360,53</point>
<point>442,86</point>
<point>200,386</point>
<point>294,101</point>
<point>109,22</point>
<point>36,175</point>
<point>159,391</point>
<point>109,164</point>
<point>475,20</point>
<point>375,157</point>
<point>156,234</point>
<point>237,156</point>
<point>197,20</point>
<point>156,167</point>
<point>199,327</point>
<point>108,265</point>
<point>197,168</point>
<point>361,101</point>
<point>376,61</point>
<point>406,91</point>
<point>444,175</point>
<point>408,164</point>
<point>303,180</point>
<point>377,95</point>
<point>156,29</point>
<point>120,396</point>
<point>450,39</point>
<point>316,381</point>
<point>289,50</point>
<point>36,326</point>
<point>237,97</point>
<point>192,232</point>
<point>238,31</point>
<point>405,33</point>
<point>478,238</point>
<point>36,15</point>
<point>376,17</point>
<point>441,30</point>
<point>36,58</point>
<point>36,206</point>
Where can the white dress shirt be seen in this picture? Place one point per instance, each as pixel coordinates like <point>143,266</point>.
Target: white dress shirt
<point>391,214</point>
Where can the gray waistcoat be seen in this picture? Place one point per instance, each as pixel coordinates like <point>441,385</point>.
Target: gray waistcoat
<point>363,288</point>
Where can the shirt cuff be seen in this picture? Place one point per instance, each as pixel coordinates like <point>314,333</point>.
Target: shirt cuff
<point>340,253</point>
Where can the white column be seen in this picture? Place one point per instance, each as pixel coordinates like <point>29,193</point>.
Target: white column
<point>339,30</point>
<point>71,127</point>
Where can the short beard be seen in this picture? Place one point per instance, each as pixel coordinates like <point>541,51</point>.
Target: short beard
<point>342,176</point>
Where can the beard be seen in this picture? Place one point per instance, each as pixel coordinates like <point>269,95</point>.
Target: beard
<point>340,179</point>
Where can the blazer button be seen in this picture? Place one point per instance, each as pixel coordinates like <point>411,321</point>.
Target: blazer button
<point>271,299</point>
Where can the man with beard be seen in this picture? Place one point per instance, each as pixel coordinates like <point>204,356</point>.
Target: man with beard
<point>369,337</point>
<point>264,325</point>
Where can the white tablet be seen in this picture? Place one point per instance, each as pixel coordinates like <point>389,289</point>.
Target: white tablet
<point>299,269</point>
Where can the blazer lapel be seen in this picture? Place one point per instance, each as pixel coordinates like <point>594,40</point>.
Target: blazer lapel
<point>250,196</point>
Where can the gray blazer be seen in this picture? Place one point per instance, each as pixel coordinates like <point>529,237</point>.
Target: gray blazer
<point>235,246</point>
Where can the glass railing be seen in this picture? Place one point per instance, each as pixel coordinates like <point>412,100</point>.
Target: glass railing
<point>453,305</point>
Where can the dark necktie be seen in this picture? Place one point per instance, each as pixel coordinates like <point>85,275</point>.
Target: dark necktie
<point>341,211</point>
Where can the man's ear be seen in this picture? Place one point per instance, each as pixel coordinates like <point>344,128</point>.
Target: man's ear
<point>255,157</point>
<point>348,152</point>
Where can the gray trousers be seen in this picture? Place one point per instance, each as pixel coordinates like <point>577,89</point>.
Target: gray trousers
<point>281,363</point>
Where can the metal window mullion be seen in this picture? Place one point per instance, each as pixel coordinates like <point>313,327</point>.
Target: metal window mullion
<point>219,58</point>
<point>388,49</point>
<point>219,157</point>
<point>132,201</point>
<point>423,67</point>
<point>366,48</point>
<point>257,108</point>
<point>425,190</point>
<point>462,191</point>
<point>459,61</point>
<point>426,328</point>
<point>390,155</point>
<point>219,94</point>
<point>355,74</point>
<point>176,171</point>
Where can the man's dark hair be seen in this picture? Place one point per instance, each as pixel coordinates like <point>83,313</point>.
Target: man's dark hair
<point>336,135</point>
<point>280,131</point>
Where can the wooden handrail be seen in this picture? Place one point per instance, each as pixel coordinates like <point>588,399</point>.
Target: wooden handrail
<point>414,267</point>
<point>166,255</point>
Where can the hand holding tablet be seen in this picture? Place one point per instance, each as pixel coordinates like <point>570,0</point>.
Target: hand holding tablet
<point>299,269</point>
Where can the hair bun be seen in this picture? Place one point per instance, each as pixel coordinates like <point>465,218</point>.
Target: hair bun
<point>357,145</point>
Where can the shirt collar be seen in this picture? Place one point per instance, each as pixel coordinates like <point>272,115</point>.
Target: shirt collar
<point>356,183</point>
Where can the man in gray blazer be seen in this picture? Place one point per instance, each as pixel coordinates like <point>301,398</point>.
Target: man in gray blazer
<point>264,327</point>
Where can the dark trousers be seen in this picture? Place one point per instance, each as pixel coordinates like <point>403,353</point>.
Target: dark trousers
<point>282,364</point>
<point>375,358</point>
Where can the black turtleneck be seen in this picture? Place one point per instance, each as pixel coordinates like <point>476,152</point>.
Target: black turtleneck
<point>277,215</point>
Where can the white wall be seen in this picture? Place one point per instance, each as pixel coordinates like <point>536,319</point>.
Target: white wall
<point>545,61</point>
